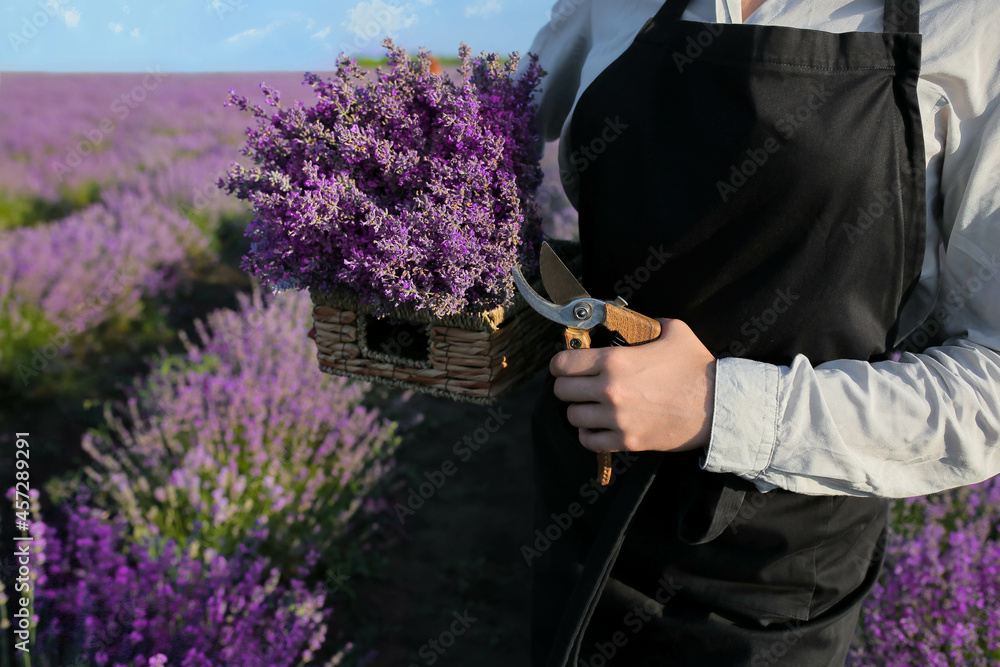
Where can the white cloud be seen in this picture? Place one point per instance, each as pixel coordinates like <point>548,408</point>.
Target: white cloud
<point>71,17</point>
<point>322,34</point>
<point>374,19</point>
<point>221,7</point>
<point>253,33</point>
<point>135,32</point>
<point>483,8</point>
<point>116,27</point>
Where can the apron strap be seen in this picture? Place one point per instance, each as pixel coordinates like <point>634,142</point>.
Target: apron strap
<point>672,10</point>
<point>601,559</point>
<point>902,16</point>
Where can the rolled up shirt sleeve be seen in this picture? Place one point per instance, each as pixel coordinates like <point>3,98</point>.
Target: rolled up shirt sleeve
<point>893,429</point>
<point>923,424</point>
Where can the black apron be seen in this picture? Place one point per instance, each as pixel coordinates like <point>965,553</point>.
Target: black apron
<point>765,185</point>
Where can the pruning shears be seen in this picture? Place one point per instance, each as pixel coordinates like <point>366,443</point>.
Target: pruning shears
<point>579,313</point>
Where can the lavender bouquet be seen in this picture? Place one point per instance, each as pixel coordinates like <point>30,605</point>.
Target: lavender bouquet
<point>408,188</point>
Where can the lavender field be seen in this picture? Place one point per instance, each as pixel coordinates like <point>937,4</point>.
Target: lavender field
<point>200,494</point>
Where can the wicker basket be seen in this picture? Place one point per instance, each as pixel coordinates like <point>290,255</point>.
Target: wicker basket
<point>472,357</point>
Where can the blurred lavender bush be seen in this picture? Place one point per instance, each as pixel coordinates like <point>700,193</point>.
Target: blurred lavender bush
<point>105,601</point>
<point>69,276</point>
<point>64,139</point>
<point>104,200</point>
<point>938,603</point>
<point>243,433</point>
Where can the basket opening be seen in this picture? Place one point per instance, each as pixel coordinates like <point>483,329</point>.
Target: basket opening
<point>398,338</point>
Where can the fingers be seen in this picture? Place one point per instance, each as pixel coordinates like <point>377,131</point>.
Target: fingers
<point>591,416</point>
<point>596,427</point>
<point>609,440</point>
<point>579,389</point>
<point>587,361</point>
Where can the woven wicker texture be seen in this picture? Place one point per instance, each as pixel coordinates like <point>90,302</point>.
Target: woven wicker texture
<point>472,357</point>
<point>487,320</point>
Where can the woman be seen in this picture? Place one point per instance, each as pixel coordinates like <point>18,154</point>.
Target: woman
<point>777,181</point>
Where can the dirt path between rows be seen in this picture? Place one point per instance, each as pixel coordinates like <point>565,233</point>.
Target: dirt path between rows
<point>460,558</point>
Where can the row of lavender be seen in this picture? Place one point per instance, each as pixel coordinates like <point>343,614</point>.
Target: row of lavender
<point>240,477</point>
<point>108,196</point>
<point>237,489</point>
<point>124,169</point>
<point>67,277</point>
<point>238,458</point>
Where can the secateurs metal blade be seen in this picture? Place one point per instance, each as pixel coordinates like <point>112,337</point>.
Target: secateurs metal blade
<point>579,313</point>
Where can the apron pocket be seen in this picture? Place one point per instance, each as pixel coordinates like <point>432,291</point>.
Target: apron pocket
<point>710,508</point>
<point>745,555</point>
<point>756,557</point>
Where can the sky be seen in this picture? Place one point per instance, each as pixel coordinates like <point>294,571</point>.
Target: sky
<point>249,35</point>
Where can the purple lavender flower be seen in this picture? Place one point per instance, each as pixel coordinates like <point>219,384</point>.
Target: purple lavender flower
<point>939,599</point>
<point>102,601</point>
<point>406,189</point>
<point>242,434</point>
<point>174,144</point>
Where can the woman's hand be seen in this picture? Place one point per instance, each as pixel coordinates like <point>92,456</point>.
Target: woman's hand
<point>655,396</point>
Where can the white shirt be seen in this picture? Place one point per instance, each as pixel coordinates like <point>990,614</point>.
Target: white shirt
<point>930,421</point>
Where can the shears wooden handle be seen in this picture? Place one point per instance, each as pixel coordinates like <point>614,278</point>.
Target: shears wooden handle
<point>629,328</point>
<point>574,308</point>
